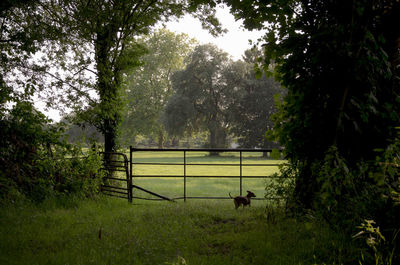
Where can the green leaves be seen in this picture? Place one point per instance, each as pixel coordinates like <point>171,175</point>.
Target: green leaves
<point>36,161</point>
<point>334,59</point>
<point>201,92</point>
<point>253,104</point>
<point>148,88</point>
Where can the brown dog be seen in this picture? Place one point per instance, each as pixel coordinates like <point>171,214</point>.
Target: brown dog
<point>242,200</point>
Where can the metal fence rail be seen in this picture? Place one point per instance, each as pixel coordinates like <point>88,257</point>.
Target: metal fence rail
<point>185,164</point>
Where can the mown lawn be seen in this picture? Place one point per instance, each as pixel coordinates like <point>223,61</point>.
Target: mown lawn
<point>112,231</point>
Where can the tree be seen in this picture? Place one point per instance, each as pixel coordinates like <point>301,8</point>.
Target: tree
<point>339,61</point>
<point>82,133</point>
<point>253,103</point>
<point>94,45</point>
<point>149,86</point>
<point>201,96</point>
<point>110,28</point>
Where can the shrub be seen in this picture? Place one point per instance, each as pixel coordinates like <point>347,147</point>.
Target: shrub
<point>281,186</point>
<point>348,195</point>
<point>370,191</point>
<point>36,162</point>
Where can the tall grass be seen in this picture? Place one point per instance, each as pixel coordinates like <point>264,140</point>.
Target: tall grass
<point>111,231</point>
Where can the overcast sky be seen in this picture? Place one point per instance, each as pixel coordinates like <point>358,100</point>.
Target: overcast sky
<point>234,42</point>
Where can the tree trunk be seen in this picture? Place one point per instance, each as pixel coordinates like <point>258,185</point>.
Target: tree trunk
<point>110,141</point>
<point>160,139</point>
<point>217,137</point>
<point>175,142</point>
<point>108,82</point>
<point>213,140</point>
<point>304,192</point>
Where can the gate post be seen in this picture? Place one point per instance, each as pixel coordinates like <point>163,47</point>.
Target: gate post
<point>184,175</point>
<point>241,173</point>
<point>130,187</point>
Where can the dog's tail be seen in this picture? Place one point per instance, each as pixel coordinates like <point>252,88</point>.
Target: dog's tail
<point>230,195</point>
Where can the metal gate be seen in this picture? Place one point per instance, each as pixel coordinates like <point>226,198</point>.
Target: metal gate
<point>114,162</point>
<point>184,164</point>
<point>120,185</point>
<point>113,184</point>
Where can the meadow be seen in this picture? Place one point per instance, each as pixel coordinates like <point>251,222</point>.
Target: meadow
<point>111,231</point>
<point>107,230</point>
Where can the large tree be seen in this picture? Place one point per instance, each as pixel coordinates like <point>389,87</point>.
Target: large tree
<point>94,44</point>
<point>110,28</point>
<point>148,87</point>
<point>253,102</point>
<point>201,96</point>
<point>339,61</point>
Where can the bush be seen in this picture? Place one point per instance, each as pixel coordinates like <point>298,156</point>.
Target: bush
<point>347,195</point>
<point>370,191</point>
<point>36,162</point>
<point>281,186</point>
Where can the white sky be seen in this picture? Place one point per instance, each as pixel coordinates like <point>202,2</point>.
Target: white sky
<point>234,42</point>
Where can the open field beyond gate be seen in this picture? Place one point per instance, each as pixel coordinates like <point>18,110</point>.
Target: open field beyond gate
<point>207,176</point>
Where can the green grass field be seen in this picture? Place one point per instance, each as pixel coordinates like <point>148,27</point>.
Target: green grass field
<point>227,164</point>
<point>112,231</point>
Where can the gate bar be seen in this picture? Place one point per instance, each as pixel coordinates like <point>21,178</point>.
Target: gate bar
<point>222,150</point>
<point>152,193</point>
<point>130,192</point>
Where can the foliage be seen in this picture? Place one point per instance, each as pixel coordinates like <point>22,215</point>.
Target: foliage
<point>281,187</point>
<point>339,62</point>
<point>79,131</point>
<point>22,31</point>
<point>148,87</point>
<point>111,28</point>
<point>384,251</point>
<point>37,163</point>
<point>201,96</point>
<point>75,52</point>
<point>253,102</point>
<point>387,172</point>
<point>221,96</point>
<point>83,133</point>
<point>372,191</point>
